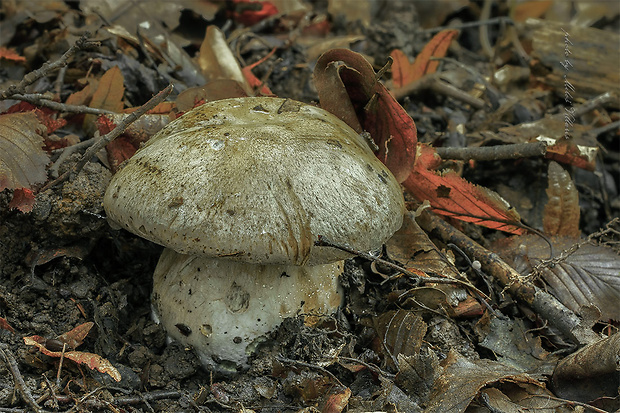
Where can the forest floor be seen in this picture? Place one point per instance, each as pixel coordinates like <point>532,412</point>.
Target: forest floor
<point>487,343</point>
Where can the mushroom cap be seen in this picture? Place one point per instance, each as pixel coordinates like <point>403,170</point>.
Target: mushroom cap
<point>223,308</point>
<point>257,179</point>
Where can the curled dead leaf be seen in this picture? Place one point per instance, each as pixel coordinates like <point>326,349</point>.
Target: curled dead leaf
<point>352,91</point>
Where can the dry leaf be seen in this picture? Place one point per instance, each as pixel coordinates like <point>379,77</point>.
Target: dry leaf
<point>108,96</point>
<point>110,90</point>
<point>5,325</point>
<point>401,332</point>
<point>22,159</point>
<point>588,276</point>
<point>217,61</point>
<point>23,200</point>
<point>10,54</point>
<point>353,93</point>
<point>404,72</point>
<point>590,373</point>
<point>76,336</point>
<point>462,380</point>
<point>73,339</point>
<point>337,402</point>
<point>453,196</point>
<point>530,9</point>
<point>561,216</point>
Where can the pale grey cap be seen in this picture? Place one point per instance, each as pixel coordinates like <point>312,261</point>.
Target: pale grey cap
<point>258,180</point>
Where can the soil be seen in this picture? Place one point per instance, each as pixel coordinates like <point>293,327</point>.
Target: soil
<point>62,265</point>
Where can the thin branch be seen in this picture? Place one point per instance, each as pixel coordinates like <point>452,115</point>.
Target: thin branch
<point>433,82</point>
<point>41,100</point>
<point>495,153</point>
<point>415,279</point>
<point>468,25</point>
<point>543,303</point>
<point>107,138</point>
<point>47,67</point>
<point>19,380</point>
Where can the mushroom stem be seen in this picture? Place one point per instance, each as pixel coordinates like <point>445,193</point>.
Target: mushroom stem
<point>224,308</point>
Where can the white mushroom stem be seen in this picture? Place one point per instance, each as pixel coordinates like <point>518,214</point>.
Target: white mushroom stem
<point>224,308</point>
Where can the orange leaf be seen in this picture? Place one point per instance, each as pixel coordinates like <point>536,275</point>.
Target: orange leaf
<point>23,200</point>
<point>405,72</point>
<point>453,196</point>
<point>92,361</point>
<point>530,9</point>
<point>83,97</point>
<point>110,90</point>
<point>255,82</point>
<point>249,12</point>
<point>11,54</point>
<point>353,93</point>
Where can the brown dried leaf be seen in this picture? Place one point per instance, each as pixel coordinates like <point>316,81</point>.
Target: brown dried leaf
<point>561,216</point>
<point>401,332</point>
<point>412,246</point>
<point>462,380</point>
<point>337,401</point>
<point>75,337</point>
<point>217,61</point>
<point>590,373</point>
<point>110,90</point>
<point>588,276</point>
<point>22,159</point>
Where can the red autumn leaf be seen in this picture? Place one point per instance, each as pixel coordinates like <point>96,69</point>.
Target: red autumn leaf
<point>73,339</point>
<point>353,93</point>
<point>46,116</point>
<point>10,54</point>
<point>255,82</point>
<point>23,200</point>
<point>453,196</point>
<point>249,12</point>
<point>119,150</point>
<point>404,72</point>
<point>5,325</point>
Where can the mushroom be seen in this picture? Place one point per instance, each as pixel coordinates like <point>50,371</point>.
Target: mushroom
<point>239,190</point>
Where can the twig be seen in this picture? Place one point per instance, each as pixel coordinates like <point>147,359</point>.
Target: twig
<point>495,153</point>
<point>311,366</point>
<point>41,100</point>
<point>66,152</point>
<point>590,105</point>
<point>415,278</point>
<point>107,138</point>
<point>19,380</point>
<point>469,25</point>
<point>599,131</point>
<point>543,303</point>
<point>433,82</point>
<point>46,68</point>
